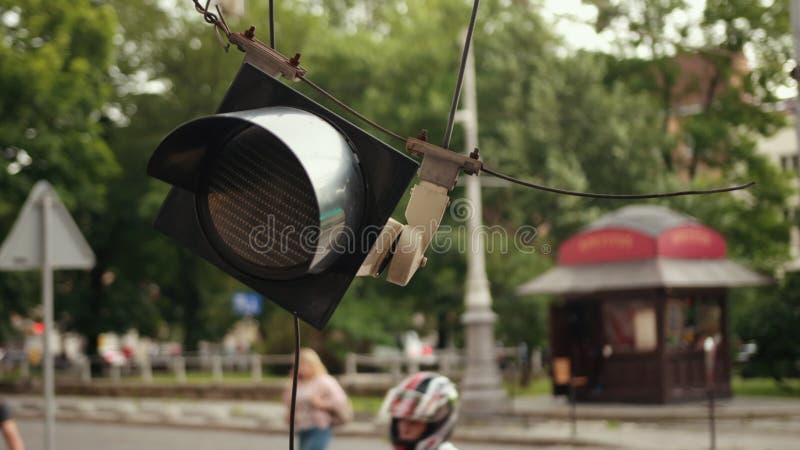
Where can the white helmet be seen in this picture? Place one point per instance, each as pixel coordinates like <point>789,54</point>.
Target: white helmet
<point>423,397</point>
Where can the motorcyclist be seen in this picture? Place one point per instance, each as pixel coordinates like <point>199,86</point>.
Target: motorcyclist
<point>423,410</point>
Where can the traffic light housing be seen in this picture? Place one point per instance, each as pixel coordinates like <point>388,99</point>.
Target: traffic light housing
<point>280,193</point>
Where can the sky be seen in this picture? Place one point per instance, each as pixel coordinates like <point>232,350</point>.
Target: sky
<point>572,18</point>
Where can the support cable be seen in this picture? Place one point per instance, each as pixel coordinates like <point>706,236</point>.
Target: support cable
<point>615,196</point>
<point>211,18</point>
<point>271,24</point>
<point>448,134</point>
<point>295,370</point>
<point>352,111</point>
<point>221,27</point>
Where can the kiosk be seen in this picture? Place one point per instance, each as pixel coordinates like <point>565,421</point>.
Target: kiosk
<point>640,290</point>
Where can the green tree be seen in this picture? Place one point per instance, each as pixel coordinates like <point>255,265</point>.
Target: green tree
<point>716,140</point>
<point>580,121</point>
<point>711,117</point>
<point>769,318</point>
<point>551,118</point>
<point>541,114</point>
<point>54,119</point>
<point>170,69</point>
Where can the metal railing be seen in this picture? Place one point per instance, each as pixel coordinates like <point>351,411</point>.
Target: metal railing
<point>244,367</point>
<point>446,362</point>
<point>214,367</point>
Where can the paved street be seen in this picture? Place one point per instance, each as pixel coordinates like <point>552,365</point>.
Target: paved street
<point>83,436</point>
<point>766,435</point>
<point>95,423</point>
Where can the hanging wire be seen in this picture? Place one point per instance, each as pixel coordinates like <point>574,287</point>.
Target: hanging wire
<point>271,24</point>
<point>615,196</point>
<point>294,380</point>
<point>213,19</point>
<point>222,27</point>
<point>352,111</point>
<point>448,135</point>
<point>525,183</point>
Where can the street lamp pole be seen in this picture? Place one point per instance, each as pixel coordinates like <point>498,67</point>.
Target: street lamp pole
<point>794,12</point>
<point>481,387</point>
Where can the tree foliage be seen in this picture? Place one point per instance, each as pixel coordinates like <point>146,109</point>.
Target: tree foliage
<point>715,139</point>
<point>54,81</point>
<point>769,318</point>
<point>576,120</point>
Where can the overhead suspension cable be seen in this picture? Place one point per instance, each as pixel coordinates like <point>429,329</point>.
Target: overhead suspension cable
<point>615,196</point>
<point>221,27</point>
<point>448,134</point>
<point>295,370</point>
<point>352,111</point>
<point>218,20</point>
<point>271,24</point>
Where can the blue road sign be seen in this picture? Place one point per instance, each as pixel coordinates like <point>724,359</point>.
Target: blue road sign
<point>247,303</point>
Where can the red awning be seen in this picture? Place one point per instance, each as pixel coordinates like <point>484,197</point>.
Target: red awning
<point>653,273</point>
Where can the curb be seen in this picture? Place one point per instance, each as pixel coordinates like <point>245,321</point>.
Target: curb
<point>354,430</point>
<point>531,416</point>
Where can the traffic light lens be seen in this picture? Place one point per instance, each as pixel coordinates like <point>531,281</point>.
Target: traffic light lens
<point>261,204</point>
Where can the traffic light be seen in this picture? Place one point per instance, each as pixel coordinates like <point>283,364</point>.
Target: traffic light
<point>279,192</point>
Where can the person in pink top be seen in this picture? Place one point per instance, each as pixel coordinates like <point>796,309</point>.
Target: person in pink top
<point>9,428</point>
<point>321,402</point>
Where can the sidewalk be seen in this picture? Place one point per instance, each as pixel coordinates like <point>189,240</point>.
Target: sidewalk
<point>745,423</point>
<point>550,408</point>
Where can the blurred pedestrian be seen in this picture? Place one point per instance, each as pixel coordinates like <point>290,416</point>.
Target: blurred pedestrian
<point>10,430</point>
<point>424,411</point>
<point>321,402</point>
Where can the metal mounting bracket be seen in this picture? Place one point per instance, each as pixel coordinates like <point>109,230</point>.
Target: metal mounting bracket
<point>441,166</point>
<point>266,59</point>
<point>438,174</point>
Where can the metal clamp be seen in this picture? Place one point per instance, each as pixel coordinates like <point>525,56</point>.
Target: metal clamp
<point>266,59</point>
<point>441,166</point>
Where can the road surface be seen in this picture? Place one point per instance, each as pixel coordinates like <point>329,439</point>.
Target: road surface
<point>91,436</point>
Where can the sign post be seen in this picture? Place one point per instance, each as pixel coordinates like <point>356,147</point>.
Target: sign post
<point>45,237</point>
<point>47,301</point>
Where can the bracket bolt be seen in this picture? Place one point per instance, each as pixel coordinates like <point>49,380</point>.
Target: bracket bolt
<point>250,33</point>
<point>295,61</point>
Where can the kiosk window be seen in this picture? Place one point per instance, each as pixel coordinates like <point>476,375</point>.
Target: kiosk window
<point>690,320</point>
<point>630,327</point>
